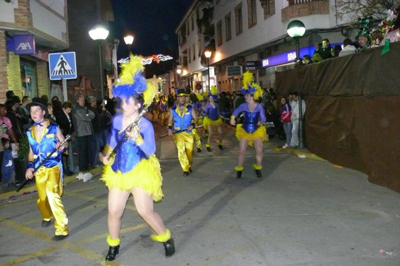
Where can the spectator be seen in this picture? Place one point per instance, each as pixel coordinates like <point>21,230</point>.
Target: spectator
<point>348,48</point>
<point>295,119</point>
<point>6,130</point>
<point>24,111</point>
<point>239,99</point>
<point>306,60</point>
<point>8,166</point>
<point>9,95</point>
<point>224,106</point>
<point>363,42</point>
<point>51,115</point>
<point>317,57</point>
<point>286,120</point>
<point>336,50</point>
<point>325,51</point>
<point>45,99</point>
<point>16,123</point>
<point>64,121</point>
<point>57,105</point>
<point>96,123</point>
<point>82,120</point>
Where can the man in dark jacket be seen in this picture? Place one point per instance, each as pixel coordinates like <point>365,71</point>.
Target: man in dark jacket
<point>64,121</point>
<point>82,120</point>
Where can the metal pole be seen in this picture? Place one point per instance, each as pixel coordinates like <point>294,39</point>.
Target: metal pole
<point>65,93</point>
<point>101,71</point>
<point>208,71</point>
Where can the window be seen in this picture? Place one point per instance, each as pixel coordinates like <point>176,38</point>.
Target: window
<point>238,19</point>
<point>219,33</point>
<point>193,22</point>
<point>269,8</point>
<point>188,27</point>
<point>194,52</point>
<point>252,12</point>
<point>228,26</point>
<point>189,55</point>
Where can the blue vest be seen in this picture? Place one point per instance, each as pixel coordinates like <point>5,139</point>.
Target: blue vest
<point>250,121</point>
<point>128,154</point>
<point>46,145</point>
<point>182,121</point>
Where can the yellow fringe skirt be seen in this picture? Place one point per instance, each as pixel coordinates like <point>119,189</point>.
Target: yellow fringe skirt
<point>209,122</point>
<point>260,133</point>
<point>145,175</point>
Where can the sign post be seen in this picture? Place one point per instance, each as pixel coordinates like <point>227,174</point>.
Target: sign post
<point>63,66</point>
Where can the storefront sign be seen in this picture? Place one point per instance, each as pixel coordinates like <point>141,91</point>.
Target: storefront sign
<point>24,44</point>
<point>253,65</point>
<point>287,57</point>
<point>234,70</point>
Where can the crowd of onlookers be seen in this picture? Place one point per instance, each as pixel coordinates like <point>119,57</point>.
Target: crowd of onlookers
<point>87,120</point>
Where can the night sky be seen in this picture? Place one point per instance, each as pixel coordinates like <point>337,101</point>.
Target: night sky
<point>153,23</point>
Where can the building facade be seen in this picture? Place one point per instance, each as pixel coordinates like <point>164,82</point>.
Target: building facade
<point>251,35</point>
<point>29,30</point>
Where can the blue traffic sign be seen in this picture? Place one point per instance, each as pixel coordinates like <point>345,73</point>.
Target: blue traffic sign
<point>62,66</point>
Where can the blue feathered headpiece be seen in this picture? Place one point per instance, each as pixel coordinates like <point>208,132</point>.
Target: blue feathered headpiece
<point>132,82</point>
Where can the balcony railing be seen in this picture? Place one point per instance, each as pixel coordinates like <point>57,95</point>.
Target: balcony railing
<point>301,8</point>
<point>297,2</point>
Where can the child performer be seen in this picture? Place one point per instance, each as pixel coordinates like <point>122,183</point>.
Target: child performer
<point>44,136</point>
<point>163,110</point>
<point>251,131</point>
<point>212,118</point>
<point>136,169</point>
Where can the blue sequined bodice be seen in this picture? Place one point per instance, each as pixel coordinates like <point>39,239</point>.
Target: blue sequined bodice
<point>250,121</point>
<point>128,154</point>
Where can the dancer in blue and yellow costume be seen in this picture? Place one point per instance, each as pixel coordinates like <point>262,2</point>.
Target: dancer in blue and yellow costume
<point>163,109</point>
<point>199,108</point>
<point>135,169</point>
<point>212,119</point>
<point>44,136</point>
<point>251,132</point>
<point>182,120</point>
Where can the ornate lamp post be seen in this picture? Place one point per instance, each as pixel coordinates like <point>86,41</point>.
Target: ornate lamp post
<point>207,54</point>
<point>296,30</point>
<point>99,34</point>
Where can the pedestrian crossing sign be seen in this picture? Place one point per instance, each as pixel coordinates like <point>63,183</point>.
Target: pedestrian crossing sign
<point>62,66</point>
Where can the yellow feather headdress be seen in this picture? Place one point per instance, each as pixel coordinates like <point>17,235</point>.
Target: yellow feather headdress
<point>250,87</point>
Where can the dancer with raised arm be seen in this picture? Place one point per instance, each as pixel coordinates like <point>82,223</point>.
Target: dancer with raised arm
<point>135,169</point>
<point>251,131</point>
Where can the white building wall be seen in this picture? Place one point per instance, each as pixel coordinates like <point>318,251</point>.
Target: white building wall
<point>47,21</point>
<point>7,11</point>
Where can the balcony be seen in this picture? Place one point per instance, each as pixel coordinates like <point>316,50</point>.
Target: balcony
<point>302,8</point>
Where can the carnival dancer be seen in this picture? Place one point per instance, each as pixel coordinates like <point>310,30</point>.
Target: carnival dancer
<point>163,108</point>
<point>135,169</point>
<point>199,108</point>
<point>212,119</point>
<point>44,136</point>
<point>184,118</point>
<point>251,132</point>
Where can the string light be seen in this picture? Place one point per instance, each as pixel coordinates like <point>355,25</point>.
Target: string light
<point>146,60</point>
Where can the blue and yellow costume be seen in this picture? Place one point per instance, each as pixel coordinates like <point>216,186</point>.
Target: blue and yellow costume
<point>163,110</point>
<point>135,163</point>
<point>49,177</point>
<point>250,129</point>
<point>183,137</point>
<point>198,106</point>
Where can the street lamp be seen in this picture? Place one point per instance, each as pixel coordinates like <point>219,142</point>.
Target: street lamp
<point>207,54</point>
<point>128,41</point>
<point>296,30</point>
<point>99,34</point>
